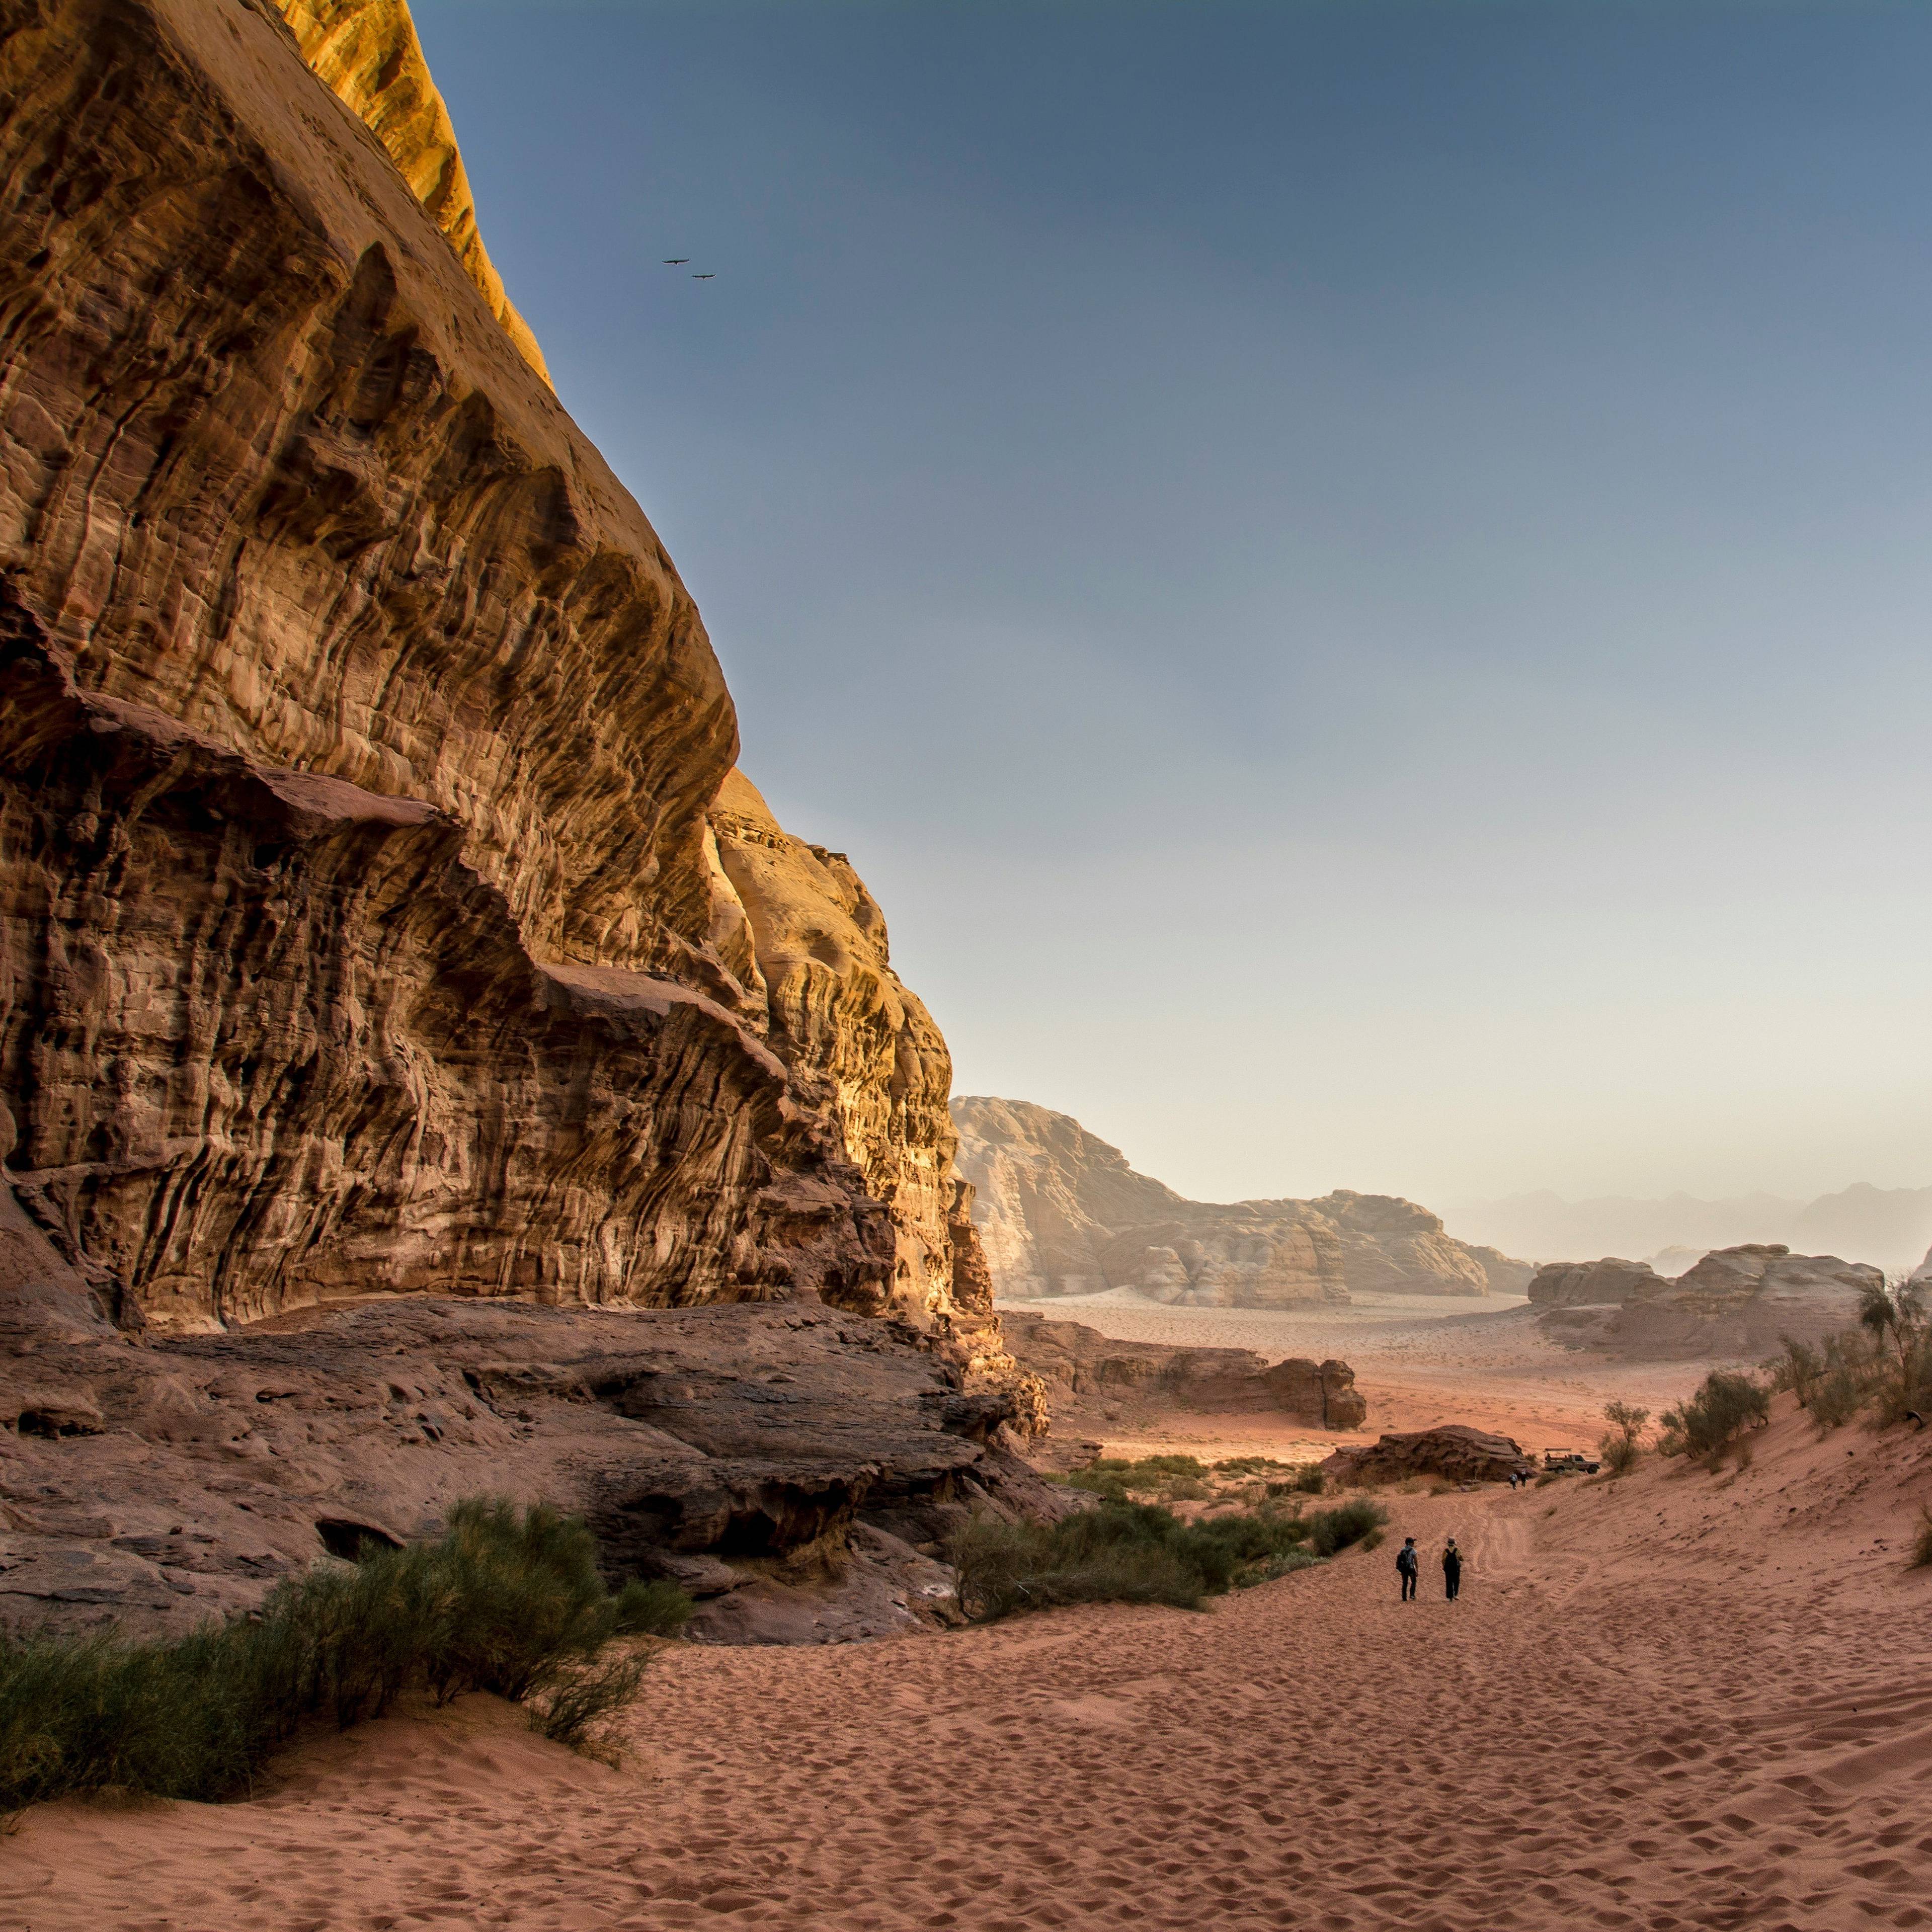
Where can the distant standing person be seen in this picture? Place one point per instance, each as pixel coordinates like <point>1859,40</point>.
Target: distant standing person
<point>1452,1571</point>
<point>1409,1567</point>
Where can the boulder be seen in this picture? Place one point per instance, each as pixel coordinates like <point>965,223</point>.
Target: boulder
<point>1461,1454</point>
<point>1593,1284</point>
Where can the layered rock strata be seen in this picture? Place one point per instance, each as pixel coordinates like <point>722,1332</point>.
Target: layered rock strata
<point>1735,1302</point>
<point>368,52</point>
<point>787,1458</point>
<point>1454,1451</point>
<point>1061,1212</point>
<point>1069,1357</point>
<point>366,926</point>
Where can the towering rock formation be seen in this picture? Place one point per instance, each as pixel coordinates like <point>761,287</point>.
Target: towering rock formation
<point>1062,1212</point>
<point>366,924</point>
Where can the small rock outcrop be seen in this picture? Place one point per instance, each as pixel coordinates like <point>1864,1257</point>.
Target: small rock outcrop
<point>1593,1284</point>
<point>1459,1454</point>
<point>1061,1212</point>
<point>1069,1357</point>
<point>1735,1302</point>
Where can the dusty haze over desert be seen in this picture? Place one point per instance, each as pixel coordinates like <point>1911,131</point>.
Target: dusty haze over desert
<point>964,965</point>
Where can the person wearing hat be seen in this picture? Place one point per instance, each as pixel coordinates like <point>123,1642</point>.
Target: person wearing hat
<point>1452,1571</point>
<point>1409,1567</point>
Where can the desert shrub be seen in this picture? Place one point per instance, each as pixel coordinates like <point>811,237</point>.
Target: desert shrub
<point>1621,1447</point>
<point>1726,1404</point>
<point>509,1600</point>
<point>1309,1481</point>
<point>1331,1530</point>
<point>653,1609</point>
<point>1798,1367</point>
<point>1140,1553</point>
<point>1922,1540</point>
<point>1252,1465</point>
<point>1113,1552</point>
<point>1117,1478</point>
<point>1902,1389</point>
<point>1848,1371</point>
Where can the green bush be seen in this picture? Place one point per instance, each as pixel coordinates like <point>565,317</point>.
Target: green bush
<point>1727,1403</point>
<point>1903,1388</point>
<point>1140,1553</point>
<point>1115,1552</point>
<point>509,1600</point>
<point>1331,1530</point>
<point>1117,1478</point>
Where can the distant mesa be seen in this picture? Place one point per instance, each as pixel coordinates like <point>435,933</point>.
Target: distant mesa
<point>1890,1227</point>
<point>1741,1301</point>
<point>1060,1212</point>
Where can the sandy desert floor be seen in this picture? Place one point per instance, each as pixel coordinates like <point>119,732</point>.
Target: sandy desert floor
<point>1677,1701</point>
<point>1419,1360</point>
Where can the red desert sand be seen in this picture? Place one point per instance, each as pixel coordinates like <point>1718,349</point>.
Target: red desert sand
<point>1678,1700</point>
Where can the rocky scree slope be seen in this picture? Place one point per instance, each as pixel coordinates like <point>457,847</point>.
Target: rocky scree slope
<point>1741,1301</point>
<point>1061,1212</point>
<point>366,926</point>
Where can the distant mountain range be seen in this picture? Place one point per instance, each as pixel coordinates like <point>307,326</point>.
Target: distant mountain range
<point>1889,1227</point>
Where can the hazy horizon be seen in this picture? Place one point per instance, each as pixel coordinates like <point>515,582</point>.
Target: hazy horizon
<point>1350,577</point>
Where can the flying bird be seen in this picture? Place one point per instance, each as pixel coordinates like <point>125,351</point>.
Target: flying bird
<point>711,276</point>
<point>676,261</point>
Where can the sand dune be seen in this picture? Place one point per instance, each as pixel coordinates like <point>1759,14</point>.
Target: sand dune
<point>1678,1701</point>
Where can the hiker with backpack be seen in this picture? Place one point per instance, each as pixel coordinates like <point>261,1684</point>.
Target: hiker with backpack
<point>1409,1567</point>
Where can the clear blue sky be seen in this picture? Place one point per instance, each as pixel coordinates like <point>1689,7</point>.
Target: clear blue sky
<point>1354,577</point>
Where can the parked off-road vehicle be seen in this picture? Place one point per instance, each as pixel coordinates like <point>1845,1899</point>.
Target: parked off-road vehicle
<point>1569,1462</point>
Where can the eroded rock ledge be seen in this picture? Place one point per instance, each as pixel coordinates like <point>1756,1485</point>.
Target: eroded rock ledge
<point>789,1459</point>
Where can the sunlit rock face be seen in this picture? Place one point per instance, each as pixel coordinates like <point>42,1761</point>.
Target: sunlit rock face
<point>1061,1213</point>
<point>366,925</point>
<point>367,51</point>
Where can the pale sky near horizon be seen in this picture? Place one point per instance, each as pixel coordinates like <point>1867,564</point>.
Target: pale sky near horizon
<point>1353,576</point>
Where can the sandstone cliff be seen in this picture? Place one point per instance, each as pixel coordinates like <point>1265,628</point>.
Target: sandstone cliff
<point>367,51</point>
<point>1740,1301</point>
<point>366,927</point>
<point>1061,1213</point>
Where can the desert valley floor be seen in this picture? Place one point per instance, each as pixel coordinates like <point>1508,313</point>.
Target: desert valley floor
<point>1676,1700</point>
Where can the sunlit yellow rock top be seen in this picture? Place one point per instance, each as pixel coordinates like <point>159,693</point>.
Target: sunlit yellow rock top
<point>367,51</point>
